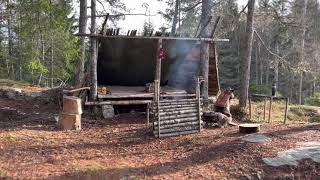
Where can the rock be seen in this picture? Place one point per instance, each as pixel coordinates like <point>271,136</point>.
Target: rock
<point>255,138</point>
<point>107,111</point>
<point>305,150</point>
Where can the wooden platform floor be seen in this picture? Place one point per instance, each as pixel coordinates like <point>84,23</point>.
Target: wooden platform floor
<point>118,92</point>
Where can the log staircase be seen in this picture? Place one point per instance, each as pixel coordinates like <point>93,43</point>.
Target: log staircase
<point>177,116</point>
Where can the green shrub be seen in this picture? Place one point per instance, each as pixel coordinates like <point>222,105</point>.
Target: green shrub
<point>313,100</point>
<point>260,89</point>
<point>239,113</point>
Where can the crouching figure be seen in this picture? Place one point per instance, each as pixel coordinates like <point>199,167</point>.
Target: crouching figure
<point>222,108</point>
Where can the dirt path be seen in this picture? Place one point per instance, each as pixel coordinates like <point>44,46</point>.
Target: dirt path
<point>32,148</point>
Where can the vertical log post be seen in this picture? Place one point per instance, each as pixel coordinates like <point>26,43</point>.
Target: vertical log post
<point>204,70</point>
<point>148,115</point>
<point>250,108</point>
<point>93,48</point>
<point>286,111</point>
<point>158,63</point>
<point>157,103</point>
<point>270,109</point>
<point>264,109</point>
<point>199,102</point>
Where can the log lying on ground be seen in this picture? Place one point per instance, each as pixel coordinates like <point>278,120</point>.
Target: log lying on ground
<point>177,133</point>
<point>249,128</point>
<point>183,124</point>
<point>72,105</point>
<point>175,121</point>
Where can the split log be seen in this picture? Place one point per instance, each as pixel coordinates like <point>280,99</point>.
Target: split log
<point>249,128</point>
<point>176,121</point>
<point>72,105</point>
<point>69,121</point>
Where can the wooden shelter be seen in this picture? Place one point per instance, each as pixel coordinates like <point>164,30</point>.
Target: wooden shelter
<point>127,63</point>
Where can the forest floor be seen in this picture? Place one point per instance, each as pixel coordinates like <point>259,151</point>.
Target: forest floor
<point>32,148</point>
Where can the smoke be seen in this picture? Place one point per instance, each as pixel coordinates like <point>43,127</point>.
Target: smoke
<point>183,72</point>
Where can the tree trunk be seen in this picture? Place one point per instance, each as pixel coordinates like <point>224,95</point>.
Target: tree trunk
<point>10,43</point>
<point>260,65</point>
<point>245,74</point>
<point>79,76</point>
<point>93,64</point>
<point>276,67</point>
<point>51,65</point>
<point>175,19</point>
<point>257,64</point>
<point>42,59</point>
<point>304,12</point>
<point>204,57</point>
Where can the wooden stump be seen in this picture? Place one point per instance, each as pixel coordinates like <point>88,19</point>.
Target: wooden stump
<point>249,128</point>
<point>70,117</point>
<point>69,121</point>
<point>72,105</point>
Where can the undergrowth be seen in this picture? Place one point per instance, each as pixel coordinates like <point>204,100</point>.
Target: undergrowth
<point>296,113</point>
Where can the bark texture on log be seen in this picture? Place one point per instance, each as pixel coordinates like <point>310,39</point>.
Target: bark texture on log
<point>249,128</point>
<point>176,121</point>
<point>245,70</point>
<point>79,73</point>
<point>93,48</point>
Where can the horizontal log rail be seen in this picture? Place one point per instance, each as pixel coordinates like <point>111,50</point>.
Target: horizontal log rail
<point>144,95</point>
<point>267,96</point>
<point>153,37</point>
<point>127,102</point>
<point>75,90</point>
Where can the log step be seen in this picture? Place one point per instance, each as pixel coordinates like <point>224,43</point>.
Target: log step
<point>177,109</point>
<point>177,129</point>
<point>180,116</point>
<point>177,100</point>
<point>178,112</point>
<point>177,133</point>
<point>174,121</point>
<point>176,106</point>
<point>177,103</point>
<point>183,124</point>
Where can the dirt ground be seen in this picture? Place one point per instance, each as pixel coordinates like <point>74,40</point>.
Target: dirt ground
<point>32,148</point>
